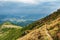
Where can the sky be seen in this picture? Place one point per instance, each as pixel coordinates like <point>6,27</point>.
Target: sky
<point>31,1</point>
<point>28,6</point>
<point>27,9</point>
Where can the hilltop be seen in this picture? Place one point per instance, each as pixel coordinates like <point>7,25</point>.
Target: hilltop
<point>8,24</point>
<point>9,31</point>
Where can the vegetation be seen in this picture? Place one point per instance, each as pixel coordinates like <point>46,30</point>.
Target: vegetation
<point>7,33</point>
<point>53,30</point>
<point>45,32</point>
<point>45,20</point>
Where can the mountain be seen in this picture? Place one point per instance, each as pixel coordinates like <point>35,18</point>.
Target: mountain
<point>47,28</point>
<point>20,20</point>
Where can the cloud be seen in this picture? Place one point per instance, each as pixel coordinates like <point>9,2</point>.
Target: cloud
<point>47,0</point>
<point>21,8</point>
<point>23,1</point>
<point>30,1</point>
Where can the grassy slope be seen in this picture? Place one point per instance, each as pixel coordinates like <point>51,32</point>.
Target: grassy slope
<point>44,29</point>
<point>41,22</point>
<point>45,20</point>
<point>9,31</point>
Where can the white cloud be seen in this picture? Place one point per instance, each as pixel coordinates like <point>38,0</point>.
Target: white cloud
<point>47,0</point>
<point>23,1</point>
<point>30,1</point>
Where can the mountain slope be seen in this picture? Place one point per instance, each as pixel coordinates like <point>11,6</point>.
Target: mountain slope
<point>44,20</point>
<point>43,32</point>
<point>8,31</point>
<point>47,28</point>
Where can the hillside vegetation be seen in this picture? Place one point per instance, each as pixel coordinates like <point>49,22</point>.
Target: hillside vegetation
<point>45,20</point>
<point>8,31</point>
<point>47,28</point>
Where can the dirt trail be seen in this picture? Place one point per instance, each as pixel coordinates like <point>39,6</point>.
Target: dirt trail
<point>41,33</point>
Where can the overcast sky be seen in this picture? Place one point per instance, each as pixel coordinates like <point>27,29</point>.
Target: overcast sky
<point>28,6</point>
<point>31,1</point>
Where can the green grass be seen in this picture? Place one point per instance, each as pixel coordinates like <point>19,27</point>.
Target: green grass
<point>10,34</point>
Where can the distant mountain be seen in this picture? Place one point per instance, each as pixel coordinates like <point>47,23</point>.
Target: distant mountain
<point>47,28</point>
<point>21,20</point>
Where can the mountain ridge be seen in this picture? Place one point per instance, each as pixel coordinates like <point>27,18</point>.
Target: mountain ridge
<point>46,19</point>
<point>35,32</point>
<point>51,22</point>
